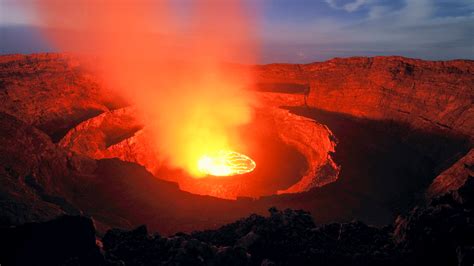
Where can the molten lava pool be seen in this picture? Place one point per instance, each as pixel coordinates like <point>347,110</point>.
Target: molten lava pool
<point>265,166</point>
<point>225,163</point>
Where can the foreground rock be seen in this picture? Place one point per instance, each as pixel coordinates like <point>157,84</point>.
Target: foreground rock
<point>438,234</point>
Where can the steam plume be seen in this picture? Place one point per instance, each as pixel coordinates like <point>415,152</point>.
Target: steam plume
<point>169,67</point>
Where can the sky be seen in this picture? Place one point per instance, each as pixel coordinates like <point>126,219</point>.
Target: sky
<point>303,31</point>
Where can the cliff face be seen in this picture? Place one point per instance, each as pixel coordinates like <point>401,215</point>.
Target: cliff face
<point>425,94</point>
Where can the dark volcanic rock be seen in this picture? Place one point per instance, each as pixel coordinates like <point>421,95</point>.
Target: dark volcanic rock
<point>68,240</point>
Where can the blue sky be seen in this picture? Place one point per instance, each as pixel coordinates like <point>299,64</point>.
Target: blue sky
<point>314,30</point>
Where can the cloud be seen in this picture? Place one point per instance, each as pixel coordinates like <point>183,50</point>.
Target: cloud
<point>416,11</point>
<point>14,13</point>
<point>349,7</point>
<point>377,12</point>
<point>412,28</point>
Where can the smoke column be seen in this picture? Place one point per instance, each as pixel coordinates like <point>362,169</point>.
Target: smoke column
<point>167,62</point>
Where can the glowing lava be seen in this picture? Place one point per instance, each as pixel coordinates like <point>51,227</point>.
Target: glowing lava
<point>225,163</point>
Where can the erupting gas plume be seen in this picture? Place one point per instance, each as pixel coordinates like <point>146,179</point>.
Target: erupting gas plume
<point>166,58</point>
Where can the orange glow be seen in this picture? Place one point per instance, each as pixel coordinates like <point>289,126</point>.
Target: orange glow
<point>225,163</point>
<point>169,66</point>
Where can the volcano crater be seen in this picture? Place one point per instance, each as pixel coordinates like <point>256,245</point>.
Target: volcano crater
<point>287,162</point>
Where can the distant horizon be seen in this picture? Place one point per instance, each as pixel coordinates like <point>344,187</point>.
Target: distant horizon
<point>304,31</point>
<point>33,50</point>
